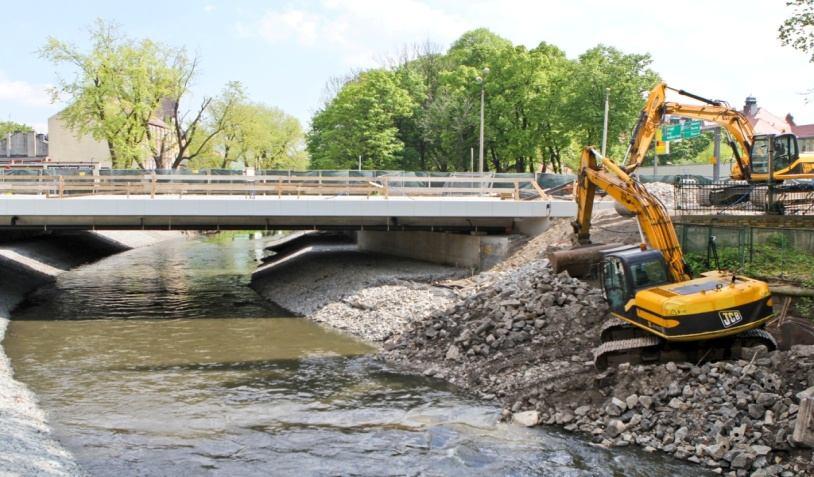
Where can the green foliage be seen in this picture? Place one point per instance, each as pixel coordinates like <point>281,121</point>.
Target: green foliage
<point>122,86</point>
<point>7,127</point>
<point>255,135</point>
<point>775,258</point>
<point>118,86</point>
<point>540,108</point>
<point>627,76</point>
<point>797,30</point>
<point>696,150</point>
<point>362,120</point>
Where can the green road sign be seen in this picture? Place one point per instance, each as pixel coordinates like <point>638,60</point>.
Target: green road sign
<point>691,129</point>
<point>670,132</point>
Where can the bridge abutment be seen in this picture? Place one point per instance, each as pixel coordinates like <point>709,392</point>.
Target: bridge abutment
<point>456,249</point>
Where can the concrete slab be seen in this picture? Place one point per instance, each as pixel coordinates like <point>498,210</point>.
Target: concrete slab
<point>210,212</point>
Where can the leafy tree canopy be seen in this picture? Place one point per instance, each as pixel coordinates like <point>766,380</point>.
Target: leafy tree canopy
<point>423,112</point>
<point>797,30</point>
<point>7,127</point>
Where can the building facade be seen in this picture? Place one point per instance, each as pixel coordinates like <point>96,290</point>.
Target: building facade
<point>70,147</point>
<point>24,145</point>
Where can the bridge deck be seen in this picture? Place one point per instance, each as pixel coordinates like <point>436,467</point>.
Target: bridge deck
<point>270,211</point>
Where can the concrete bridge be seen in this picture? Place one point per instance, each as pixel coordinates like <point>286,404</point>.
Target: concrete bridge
<point>407,204</point>
<point>210,202</point>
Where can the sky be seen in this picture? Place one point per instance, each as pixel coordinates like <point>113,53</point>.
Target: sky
<point>284,52</point>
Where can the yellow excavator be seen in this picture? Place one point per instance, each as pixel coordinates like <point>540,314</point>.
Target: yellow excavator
<point>659,311</point>
<point>754,153</point>
<point>759,158</point>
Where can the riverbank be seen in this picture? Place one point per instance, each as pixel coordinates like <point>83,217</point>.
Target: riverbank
<point>523,335</point>
<point>27,447</point>
<point>370,296</point>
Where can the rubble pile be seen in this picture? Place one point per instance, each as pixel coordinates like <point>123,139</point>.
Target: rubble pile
<point>529,319</point>
<point>663,191</point>
<point>526,339</point>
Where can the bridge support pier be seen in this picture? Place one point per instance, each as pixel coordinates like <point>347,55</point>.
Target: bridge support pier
<point>456,249</point>
<point>459,250</point>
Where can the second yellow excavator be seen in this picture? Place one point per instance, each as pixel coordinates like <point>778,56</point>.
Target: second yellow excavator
<point>659,311</point>
<point>755,154</point>
<point>759,158</point>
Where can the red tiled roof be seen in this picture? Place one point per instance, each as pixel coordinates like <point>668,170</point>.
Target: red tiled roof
<point>764,122</point>
<point>804,130</point>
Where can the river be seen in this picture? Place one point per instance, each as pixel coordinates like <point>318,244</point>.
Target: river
<point>162,361</point>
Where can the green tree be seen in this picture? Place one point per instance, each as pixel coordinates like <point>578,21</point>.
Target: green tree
<point>423,112</point>
<point>477,48</point>
<point>361,120</point>
<point>797,30</point>
<point>7,127</point>
<point>274,140</point>
<point>118,86</point>
<point>627,76</point>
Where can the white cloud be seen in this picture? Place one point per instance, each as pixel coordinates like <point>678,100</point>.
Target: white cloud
<point>209,8</point>
<point>724,49</point>
<point>358,30</point>
<point>24,93</point>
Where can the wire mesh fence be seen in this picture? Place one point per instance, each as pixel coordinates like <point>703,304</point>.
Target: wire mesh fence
<point>697,196</point>
<point>763,252</point>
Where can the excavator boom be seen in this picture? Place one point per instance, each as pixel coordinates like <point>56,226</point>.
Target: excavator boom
<point>597,171</point>
<point>657,107</point>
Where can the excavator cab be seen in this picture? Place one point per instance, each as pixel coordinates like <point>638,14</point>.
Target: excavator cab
<point>778,149</point>
<point>626,270</point>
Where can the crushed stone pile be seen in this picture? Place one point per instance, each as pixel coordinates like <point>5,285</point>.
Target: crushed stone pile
<point>663,191</point>
<point>527,318</point>
<point>526,339</point>
<point>377,312</point>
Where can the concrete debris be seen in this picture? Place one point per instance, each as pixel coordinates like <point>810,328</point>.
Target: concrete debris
<point>526,338</point>
<point>523,335</point>
<point>663,191</point>
<point>526,418</point>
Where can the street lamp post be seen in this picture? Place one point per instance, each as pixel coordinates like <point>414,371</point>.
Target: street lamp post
<point>605,123</point>
<point>481,80</point>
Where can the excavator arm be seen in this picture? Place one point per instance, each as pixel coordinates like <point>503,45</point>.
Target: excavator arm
<point>657,107</point>
<point>598,172</point>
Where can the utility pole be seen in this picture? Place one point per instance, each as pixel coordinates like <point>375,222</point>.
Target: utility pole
<point>472,164</point>
<point>605,124</point>
<point>716,153</point>
<point>481,80</point>
<point>360,162</point>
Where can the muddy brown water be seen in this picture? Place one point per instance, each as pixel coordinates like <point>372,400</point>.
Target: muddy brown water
<point>162,361</point>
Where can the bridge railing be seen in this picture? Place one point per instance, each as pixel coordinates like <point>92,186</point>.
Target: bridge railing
<point>269,183</point>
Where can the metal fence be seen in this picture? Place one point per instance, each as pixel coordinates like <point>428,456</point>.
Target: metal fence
<point>783,253</point>
<point>59,184</point>
<point>698,196</point>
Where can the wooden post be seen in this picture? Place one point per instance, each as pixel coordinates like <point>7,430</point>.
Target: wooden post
<point>279,187</point>
<point>516,190</point>
<point>804,425</point>
<point>153,185</point>
<point>386,187</point>
<point>61,186</point>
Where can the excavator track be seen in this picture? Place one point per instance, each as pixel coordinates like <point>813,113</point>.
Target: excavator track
<point>631,350</point>
<point>623,343</point>
<point>756,337</point>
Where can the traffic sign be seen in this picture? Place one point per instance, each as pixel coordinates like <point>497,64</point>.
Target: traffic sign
<point>691,129</point>
<point>662,146</point>
<point>670,132</point>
